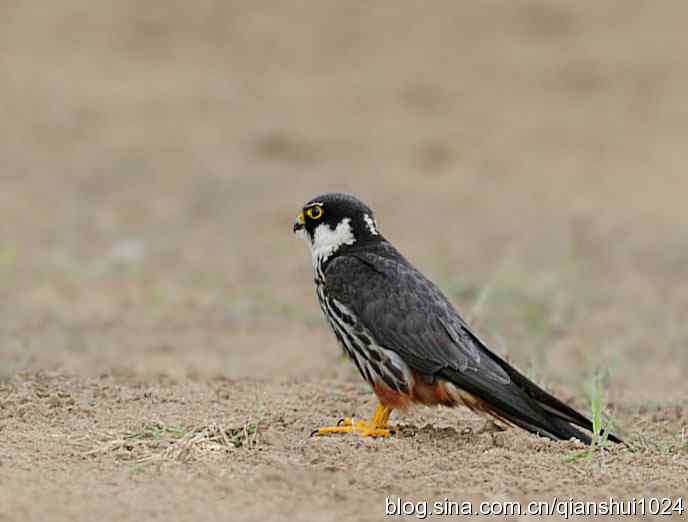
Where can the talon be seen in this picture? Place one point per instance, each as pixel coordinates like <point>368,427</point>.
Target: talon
<point>341,421</point>
<point>313,433</point>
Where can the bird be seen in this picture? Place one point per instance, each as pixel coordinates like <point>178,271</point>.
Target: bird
<point>405,337</point>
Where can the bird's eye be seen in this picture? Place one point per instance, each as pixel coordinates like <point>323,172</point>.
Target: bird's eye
<point>314,212</point>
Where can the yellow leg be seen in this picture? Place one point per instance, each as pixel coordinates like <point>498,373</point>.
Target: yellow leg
<point>375,427</point>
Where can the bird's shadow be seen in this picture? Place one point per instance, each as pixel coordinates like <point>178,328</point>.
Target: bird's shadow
<point>466,434</point>
<point>430,432</point>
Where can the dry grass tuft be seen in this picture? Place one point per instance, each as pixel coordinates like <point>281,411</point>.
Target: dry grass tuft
<point>157,443</point>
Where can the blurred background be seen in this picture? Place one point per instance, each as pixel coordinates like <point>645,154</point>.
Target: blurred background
<point>529,156</point>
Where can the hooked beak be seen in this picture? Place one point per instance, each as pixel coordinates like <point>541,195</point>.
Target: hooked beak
<point>298,222</point>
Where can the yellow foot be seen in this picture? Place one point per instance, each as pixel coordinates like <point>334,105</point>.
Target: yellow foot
<point>363,428</point>
<point>376,427</point>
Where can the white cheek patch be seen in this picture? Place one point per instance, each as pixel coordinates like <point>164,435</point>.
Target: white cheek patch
<point>327,241</point>
<point>302,234</point>
<point>372,226</point>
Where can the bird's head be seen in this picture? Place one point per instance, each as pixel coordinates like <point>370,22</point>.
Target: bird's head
<point>335,221</point>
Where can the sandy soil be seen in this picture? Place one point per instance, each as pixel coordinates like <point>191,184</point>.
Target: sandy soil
<point>162,355</point>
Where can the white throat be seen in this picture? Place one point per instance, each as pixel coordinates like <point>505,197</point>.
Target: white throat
<point>327,241</point>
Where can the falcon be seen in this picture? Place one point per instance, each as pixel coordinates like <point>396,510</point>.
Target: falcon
<point>405,337</point>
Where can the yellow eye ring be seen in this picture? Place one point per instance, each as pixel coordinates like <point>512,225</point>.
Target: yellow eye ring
<point>315,212</point>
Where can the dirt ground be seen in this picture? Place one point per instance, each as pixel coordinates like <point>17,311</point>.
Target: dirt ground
<point>162,355</point>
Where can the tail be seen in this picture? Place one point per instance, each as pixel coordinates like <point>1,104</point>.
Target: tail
<point>562,418</point>
<point>524,404</point>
